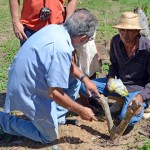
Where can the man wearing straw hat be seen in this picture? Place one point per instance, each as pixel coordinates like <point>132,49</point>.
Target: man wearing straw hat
<point>130,62</point>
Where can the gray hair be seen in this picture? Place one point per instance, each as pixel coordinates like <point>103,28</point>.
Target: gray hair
<point>82,22</point>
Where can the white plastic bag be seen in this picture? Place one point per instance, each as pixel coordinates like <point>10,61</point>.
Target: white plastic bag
<point>116,85</point>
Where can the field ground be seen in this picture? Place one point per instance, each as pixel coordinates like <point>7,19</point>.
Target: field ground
<point>86,135</point>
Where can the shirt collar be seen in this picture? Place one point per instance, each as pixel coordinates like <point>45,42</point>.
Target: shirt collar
<point>68,38</point>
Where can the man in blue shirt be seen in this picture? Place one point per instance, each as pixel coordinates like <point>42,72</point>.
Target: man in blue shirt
<point>39,73</point>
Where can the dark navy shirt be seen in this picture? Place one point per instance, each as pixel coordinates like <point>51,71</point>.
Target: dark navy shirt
<point>133,71</point>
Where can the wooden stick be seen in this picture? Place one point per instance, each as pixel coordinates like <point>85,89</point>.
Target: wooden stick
<point>103,102</point>
<point>117,133</point>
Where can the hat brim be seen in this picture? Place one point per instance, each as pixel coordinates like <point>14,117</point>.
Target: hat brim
<point>128,27</point>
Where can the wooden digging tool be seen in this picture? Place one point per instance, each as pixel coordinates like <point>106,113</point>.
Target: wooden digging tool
<point>116,132</point>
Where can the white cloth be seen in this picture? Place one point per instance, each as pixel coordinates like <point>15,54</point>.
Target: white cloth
<point>87,58</point>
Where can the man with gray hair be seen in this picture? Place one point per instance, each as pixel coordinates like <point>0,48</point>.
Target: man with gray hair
<point>39,73</point>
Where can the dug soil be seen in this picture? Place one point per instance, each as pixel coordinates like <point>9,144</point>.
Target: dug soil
<point>85,136</point>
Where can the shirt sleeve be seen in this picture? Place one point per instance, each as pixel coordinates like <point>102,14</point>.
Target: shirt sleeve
<point>113,68</point>
<point>56,63</point>
<point>58,72</point>
<point>145,93</point>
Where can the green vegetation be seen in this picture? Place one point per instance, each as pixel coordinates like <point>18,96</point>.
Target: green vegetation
<point>108,12</point>
<point>8,50</point>
<point>146,146</point>
<point>8,43</point>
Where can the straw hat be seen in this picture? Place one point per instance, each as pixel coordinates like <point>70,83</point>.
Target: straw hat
<point>128,20</point>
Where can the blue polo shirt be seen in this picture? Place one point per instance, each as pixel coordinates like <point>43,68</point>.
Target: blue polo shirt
<point>42,62</point>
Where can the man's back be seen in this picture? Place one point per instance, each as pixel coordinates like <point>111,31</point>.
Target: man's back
<point>33,70</point>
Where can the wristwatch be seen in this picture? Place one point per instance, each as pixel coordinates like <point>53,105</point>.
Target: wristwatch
<point>82,77</point>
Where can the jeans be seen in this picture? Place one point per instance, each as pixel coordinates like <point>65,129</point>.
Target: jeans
<point>37,130</point>
<point>28,33</point>
<point>101,86</point>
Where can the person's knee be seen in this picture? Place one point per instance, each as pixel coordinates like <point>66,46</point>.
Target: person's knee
<point>46,132</point>
<point>48,139</point>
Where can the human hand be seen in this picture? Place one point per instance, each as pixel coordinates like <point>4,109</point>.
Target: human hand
<point>85,102</point>
<point>87,114</point>
<point>108,83</point>
<point>138,98</point>
<point>91,87</point>
<point>19,30</point>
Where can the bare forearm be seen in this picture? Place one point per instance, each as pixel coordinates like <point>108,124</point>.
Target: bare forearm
<point>75,71</point>
<point>14,9</point>
<point>71,7</point>
<point>64,100</point>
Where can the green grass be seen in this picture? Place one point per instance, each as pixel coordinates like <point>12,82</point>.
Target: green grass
<point>8,43</point>
<point>146,146</point>
<point>5,21</point>
<point>7,50</point>
<point>108,12</point>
